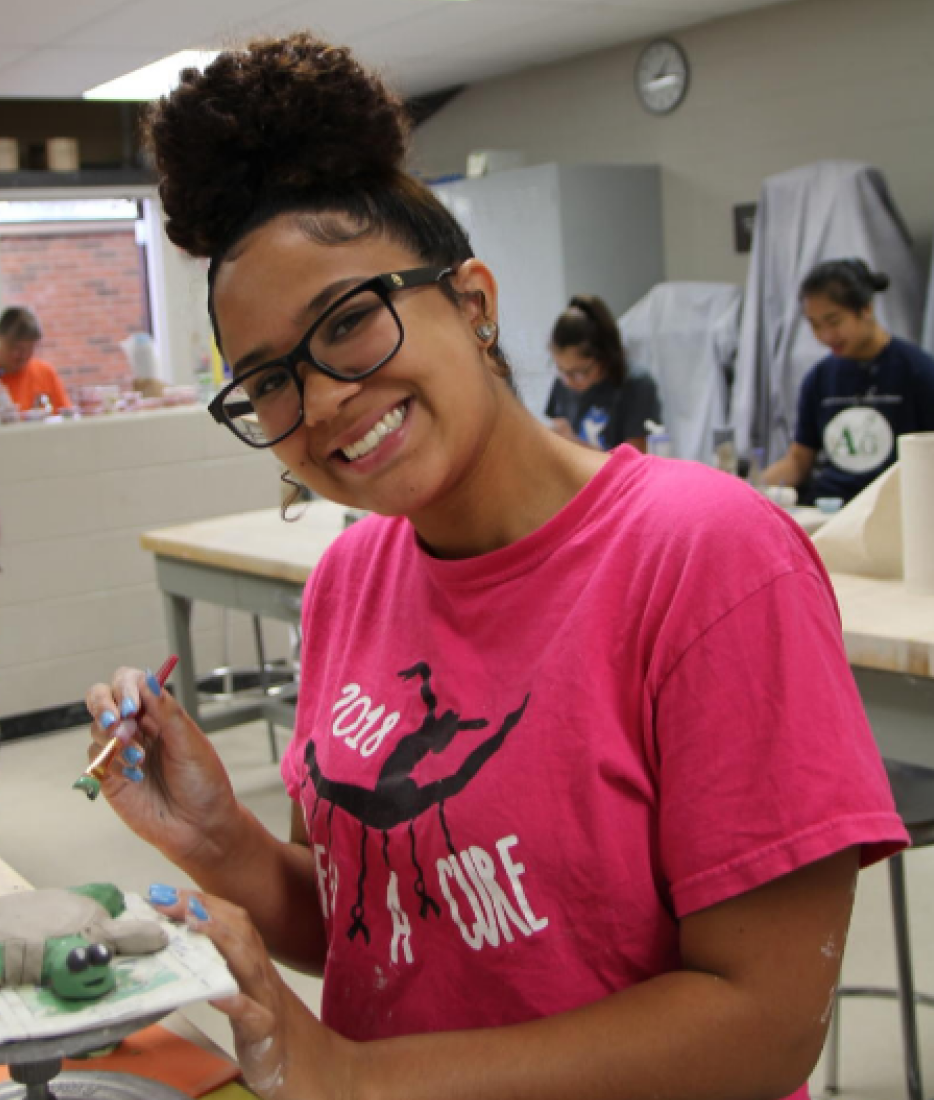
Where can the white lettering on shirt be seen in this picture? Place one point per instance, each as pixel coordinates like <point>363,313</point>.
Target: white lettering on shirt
<point>401,928</point>
<point>328,876</point>
<point>495,916</point>
<point>357,716</point>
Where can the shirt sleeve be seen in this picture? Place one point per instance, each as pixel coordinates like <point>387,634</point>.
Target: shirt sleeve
<point>807,430</point>
<point>765,758</point>
<point>58,394</point>
<point>924,372</point>
<point>555,407</point>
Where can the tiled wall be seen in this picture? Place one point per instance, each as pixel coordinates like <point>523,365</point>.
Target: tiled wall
<point>78,596</point>
<point>87,290</point>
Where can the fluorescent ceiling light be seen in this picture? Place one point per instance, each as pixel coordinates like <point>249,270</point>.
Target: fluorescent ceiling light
<point>153,80</point>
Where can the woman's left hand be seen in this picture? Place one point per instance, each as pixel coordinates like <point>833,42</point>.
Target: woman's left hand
<point>283,1050</point>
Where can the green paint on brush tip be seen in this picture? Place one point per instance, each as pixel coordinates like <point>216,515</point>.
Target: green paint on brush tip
<point>89,785</point>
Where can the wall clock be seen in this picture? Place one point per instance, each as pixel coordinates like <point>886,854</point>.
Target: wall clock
<point>663,75</point>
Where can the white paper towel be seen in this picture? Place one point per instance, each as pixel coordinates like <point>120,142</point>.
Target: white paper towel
<point>864,537</point>
<point>916,459</point>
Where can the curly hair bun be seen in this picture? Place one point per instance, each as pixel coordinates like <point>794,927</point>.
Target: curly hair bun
<point>283,116</point>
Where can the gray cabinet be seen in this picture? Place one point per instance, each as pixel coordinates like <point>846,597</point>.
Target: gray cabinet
<point>552,231</point>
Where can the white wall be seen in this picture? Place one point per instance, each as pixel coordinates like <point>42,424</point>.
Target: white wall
<point>771,90</point>
<point>78,596</point>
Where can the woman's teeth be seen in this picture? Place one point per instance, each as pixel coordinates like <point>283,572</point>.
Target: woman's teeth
<point>389,423</point>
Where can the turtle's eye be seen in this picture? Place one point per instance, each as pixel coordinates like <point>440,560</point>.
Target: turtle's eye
<point>77,960</point>
<point>99,955</point>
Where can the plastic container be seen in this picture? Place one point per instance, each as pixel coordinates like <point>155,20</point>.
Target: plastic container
<point>61,154</point>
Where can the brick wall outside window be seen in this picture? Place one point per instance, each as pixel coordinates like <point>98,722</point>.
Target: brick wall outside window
<point>87,290</point>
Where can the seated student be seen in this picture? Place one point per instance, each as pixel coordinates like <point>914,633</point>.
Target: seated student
<point>596,398</point>
<point>27,380</point>
<point>854,403</point>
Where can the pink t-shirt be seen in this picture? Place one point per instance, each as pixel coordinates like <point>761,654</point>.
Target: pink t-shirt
<point>520,769</point>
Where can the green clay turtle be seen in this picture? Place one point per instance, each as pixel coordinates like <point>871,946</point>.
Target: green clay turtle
<point>65,939</point>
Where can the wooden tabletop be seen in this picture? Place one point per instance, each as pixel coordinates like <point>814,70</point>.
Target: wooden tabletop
<point>10,881</point>
<point>885,627</point>
<point>261,543</point>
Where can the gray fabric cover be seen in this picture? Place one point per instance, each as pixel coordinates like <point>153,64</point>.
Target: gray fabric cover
<point>825,211</point>
<point>685,335</point>
<point>927,335</point>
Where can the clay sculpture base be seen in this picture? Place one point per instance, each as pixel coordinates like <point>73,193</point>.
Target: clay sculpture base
<point>93,1086</point>
<point>35,1065</point>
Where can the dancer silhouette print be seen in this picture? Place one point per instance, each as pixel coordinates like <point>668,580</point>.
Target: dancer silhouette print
<point>396,798</point>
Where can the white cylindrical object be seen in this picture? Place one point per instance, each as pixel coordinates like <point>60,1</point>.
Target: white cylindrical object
<point>9,154</point>
<point>61,154</point>
<point>916,460</point>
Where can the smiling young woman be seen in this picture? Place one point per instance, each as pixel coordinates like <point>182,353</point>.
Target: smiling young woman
<point>557,824</point>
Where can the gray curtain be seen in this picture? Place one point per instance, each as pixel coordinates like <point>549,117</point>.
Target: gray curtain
<point>685,335</point>
<point>826,211</point>
<point>927,335</point>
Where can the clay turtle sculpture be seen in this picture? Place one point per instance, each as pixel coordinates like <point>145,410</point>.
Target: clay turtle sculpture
<point>65,939</point>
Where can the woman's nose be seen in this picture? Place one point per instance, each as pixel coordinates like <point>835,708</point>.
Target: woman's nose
<point>324,397</point>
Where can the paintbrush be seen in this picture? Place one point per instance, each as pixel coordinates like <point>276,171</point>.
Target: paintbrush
<point>92,776</point>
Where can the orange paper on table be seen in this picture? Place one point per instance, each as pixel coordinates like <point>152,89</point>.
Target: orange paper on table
<point>161,1055</point>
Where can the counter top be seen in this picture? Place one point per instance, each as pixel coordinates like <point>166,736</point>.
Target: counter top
<point>261,543</point>
<point>886,627</point>
<point>22,426</point>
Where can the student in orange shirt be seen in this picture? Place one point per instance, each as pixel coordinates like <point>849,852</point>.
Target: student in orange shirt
<point>27,379</point>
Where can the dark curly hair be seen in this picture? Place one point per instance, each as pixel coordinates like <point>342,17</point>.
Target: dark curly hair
<point>293,126</point>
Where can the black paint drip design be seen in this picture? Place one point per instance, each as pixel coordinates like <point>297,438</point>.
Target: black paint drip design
<point>397,798</point>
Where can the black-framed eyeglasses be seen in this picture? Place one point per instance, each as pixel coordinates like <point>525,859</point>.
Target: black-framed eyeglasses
<point>355,336</point>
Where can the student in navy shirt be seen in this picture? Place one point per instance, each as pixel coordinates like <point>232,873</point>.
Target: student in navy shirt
<point>853,404</point>
<point>597,399</point>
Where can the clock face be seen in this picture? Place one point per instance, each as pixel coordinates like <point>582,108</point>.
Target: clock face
<point>662,76</point>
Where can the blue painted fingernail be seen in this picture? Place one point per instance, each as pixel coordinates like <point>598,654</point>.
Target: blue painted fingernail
<point>153,684</point>
<point>197,909</point>
<point>133,755</point>
<point>107,719</point>
<point>127,730</point>
<point>162,895</point>
<point>133,774</point>
<point>127,708</point>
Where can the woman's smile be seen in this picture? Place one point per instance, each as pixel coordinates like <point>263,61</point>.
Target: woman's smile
<point>375,440</point>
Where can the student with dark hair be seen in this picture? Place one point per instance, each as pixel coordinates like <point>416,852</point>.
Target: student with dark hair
<point>30,382</point>
<point>854,403</point>
<point>556,825</point>
<point>596,398</point>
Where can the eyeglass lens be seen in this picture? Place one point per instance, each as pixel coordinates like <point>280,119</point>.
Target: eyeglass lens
<point>359,335</point>
<point>577,374</point>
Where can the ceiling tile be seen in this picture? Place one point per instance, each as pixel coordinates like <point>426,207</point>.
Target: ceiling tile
<point>54,48</point>
<point>44,22</point>
<point>63,74</point>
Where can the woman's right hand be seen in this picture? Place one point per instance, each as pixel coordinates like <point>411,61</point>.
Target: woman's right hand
<point>177,796</point>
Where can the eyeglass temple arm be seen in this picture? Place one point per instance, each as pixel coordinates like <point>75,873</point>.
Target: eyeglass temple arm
<point>419,276</point>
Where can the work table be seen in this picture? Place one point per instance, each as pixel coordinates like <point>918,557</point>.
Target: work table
<point>886,627</point>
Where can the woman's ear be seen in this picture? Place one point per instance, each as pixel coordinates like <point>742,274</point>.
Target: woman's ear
<point>476,284</point>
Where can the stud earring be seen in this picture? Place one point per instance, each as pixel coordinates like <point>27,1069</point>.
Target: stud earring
<point>487,331</point>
